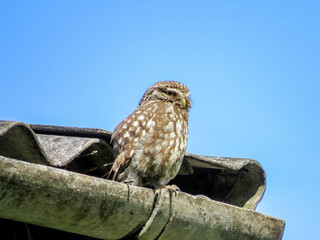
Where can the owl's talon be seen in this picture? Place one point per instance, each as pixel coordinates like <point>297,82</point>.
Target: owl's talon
<point>158,191</point>
<point>171,188</point>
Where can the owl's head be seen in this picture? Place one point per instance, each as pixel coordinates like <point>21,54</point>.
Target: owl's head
<point>168,91</point>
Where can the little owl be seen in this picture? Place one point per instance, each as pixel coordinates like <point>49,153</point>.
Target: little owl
<point>149,145</point>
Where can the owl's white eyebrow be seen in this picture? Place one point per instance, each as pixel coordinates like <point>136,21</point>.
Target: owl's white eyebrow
<point>169,90</point>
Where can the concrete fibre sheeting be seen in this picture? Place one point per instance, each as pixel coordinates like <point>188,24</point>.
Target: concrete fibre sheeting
<point>53,176</point>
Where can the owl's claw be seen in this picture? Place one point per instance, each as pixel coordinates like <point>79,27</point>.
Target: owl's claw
<point>172,189</point>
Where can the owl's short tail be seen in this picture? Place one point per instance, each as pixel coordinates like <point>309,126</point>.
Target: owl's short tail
<point>119,163</point>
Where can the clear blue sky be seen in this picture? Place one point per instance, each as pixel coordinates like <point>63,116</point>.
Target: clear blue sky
<point>253,69</point>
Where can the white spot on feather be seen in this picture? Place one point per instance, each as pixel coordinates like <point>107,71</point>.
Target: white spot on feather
<point>182,145</point>
<point>169,127</point>
<point>141,117</point>
<point>172,135</point>
<point>179,127</point>
<point>172,158</point>
<point>135,123</point>
<point>147,150</point>
<point>157,159</point>
<point>158,148</point>
<point>170,108</point>
<point>131,153</point>
<point>166,151</point>
<point>143,133</point>
<point>126,135</point>
<point>150,123</point>
<point>164,143</point>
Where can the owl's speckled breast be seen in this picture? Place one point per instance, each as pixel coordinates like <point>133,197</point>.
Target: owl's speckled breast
<point>160,151</point>
<point>159,135</point>
<point>151,142</point>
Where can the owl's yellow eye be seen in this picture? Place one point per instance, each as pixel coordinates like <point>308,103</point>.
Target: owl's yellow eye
<point>170,93</point>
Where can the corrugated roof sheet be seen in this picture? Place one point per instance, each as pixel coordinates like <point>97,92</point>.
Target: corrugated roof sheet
<point>236,181</point>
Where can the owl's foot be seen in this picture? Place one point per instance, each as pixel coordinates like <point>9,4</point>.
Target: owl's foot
<point>172,189</point>
<point>158,203</point>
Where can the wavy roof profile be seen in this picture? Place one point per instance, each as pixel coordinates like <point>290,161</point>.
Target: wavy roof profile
<point>217,198</point>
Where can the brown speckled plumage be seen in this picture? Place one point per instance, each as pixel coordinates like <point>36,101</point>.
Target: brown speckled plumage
<point>149,144</point>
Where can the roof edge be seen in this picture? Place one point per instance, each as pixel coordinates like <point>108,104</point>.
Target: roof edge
<point>100,208</point>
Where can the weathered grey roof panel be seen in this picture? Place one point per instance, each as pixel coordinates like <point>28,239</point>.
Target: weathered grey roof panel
<point>218,162</point>
<point>236,181</point>
<point>105,209</point>
<point>72,131</point>
<point>18,141</point>
<point>61,150</point>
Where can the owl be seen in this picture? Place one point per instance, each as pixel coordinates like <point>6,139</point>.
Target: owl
<point>149,144</point>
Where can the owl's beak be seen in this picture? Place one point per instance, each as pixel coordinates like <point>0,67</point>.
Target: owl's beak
<point>184,102</point>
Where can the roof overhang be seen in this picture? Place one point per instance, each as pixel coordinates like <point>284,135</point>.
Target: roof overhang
<point>42,183</point>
